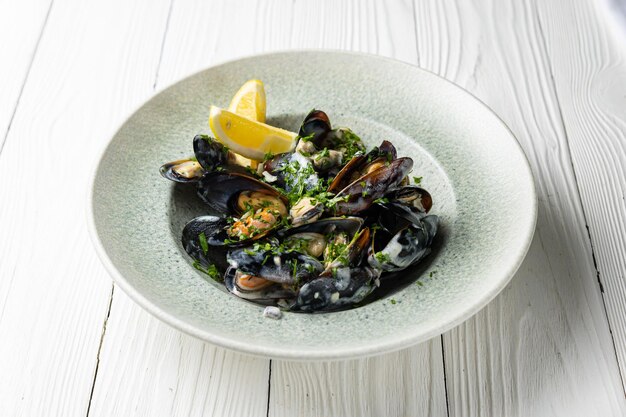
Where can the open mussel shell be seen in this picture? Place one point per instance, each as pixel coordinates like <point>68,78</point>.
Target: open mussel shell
<point>348,287</point>
<point>315,123</point>
<point>182,171</point>
<point>306,210</point>
<point>224,191</point>
<point>404,248</point>
<point>412,195</point>
<point>265,294</point>
<point>351,256</point>
<point>344,176</point>
<point>203,240</point>
<point>362,193</point>
<point>285,268</point>
<point>361,165</point>
<point>209,152</point>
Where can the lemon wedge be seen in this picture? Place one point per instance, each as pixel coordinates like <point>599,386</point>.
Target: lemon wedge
<point>249,101</point>
<point>249,138</point>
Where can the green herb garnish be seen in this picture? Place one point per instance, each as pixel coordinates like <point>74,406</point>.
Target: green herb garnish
<point>382,257</point>
<point>211,271</point>
<point>203,243</point>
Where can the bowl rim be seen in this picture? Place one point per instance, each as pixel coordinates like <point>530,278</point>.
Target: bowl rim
<point>389,344</point>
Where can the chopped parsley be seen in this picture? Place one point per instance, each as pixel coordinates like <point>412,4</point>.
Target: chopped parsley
<point>322,154</point>
<point>393,301</point>
<point>307,138</point>
<point>382,257</point>
<point>352,144</point>
<point>211,271</point>
<point>203,243</point>
<point>417,180</point>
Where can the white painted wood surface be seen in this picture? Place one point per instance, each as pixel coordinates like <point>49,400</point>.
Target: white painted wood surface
<point>550,344</point>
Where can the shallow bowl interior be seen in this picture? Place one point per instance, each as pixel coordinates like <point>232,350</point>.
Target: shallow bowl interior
<point>479,178</point>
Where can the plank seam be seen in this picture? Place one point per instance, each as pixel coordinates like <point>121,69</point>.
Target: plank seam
<point>544,44</point>
<point>269,390</point>
<point>104,329</point>
<point>167,26</point>
<point>30,65</point>
<point>445,379</point>
<point>417,46</point>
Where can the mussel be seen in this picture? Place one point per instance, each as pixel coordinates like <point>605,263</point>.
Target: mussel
<point>210,155</point>
<point>305,210</point>
<point>411,195</point>
<point>292,171</point>
<point>235,193</point>
<point>361,165</point>
<point>404,244</point>
<point>348,287</point>
<point>254,288</point>
<point>204,239</point>
<point>209,152</point>
<point>361,194</point>
<point>315,124</point>
<point>288,267</point>
<point>182,171</point>
<point>314,237</point>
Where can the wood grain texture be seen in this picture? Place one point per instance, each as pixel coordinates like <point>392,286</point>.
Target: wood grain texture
<point>412,379</point>
<point>24,20</point>
<point>91,67</point>
<point>543,346</point>
<point>146,367</point>
<point>405,383</point>
<point>121,385</point>
<point>589,70</point>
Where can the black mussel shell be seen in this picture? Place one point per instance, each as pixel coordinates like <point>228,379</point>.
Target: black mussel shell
<point>406,247</point>
<point>221,189</point>
<point>362,193</point>
<point>203,240</point>
<point>168,171</point>
<point>348,287</point>
<point>360,164</point>
<point>285,268</point>
<point>412,195</point>
<point>316,123</point>
<point>209,152</point>
<point>266,295</point>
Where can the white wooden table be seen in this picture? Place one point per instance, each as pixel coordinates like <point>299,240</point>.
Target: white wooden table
<point>72,344</point>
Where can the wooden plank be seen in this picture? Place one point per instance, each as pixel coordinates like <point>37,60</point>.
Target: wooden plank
<point>409,382</point>
<point>21,26</point>
<point>122,385</point>
<point>405,383</point>
<point>147,367</point>
<point>93,64</point>
<point>543,346</point>
<point>589,70</point>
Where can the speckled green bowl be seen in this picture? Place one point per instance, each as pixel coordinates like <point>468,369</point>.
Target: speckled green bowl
<point>475,170</point>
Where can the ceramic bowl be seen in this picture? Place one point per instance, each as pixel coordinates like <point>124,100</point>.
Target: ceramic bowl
<point>470,162</point>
